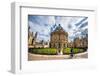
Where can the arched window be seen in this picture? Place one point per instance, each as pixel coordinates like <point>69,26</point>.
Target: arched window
<point>58,45</point>
<point>64,45</point>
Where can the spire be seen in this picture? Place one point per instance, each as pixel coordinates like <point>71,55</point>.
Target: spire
<point>36,34</point>
<point>28,27</point>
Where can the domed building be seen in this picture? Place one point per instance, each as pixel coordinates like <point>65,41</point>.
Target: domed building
<point>59,39</point>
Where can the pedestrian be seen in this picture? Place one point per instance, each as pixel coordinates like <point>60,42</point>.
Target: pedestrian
<point>71,52</point>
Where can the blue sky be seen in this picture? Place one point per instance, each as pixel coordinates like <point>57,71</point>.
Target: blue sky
<point>76,26</point>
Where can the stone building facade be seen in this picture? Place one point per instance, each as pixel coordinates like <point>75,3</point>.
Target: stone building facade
<point>81,42</point>
<point>70,44</point>
<point>32,43</point>
<point>31,38</point>
<point>59,39</point>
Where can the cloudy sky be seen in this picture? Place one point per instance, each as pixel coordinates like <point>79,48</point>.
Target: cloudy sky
<point>76,26</point>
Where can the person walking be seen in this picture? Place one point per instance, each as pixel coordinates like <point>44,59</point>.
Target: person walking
<point>71,53</point>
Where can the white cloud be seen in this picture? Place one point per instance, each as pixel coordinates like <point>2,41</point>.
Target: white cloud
<point>44,23</point>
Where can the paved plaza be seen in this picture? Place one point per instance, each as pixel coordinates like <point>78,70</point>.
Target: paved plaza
<point>56,57</point>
